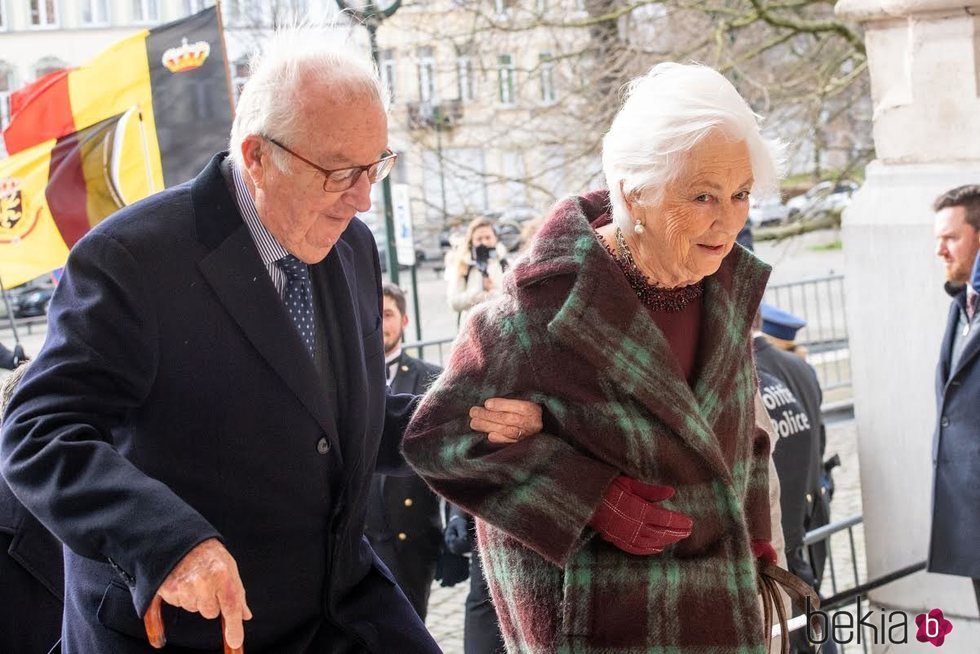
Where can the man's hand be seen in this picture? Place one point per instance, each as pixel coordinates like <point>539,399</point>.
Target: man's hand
<point>506,421</point>
<point>205,581</point>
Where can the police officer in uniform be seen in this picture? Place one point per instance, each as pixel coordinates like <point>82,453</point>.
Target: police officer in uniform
<point>792,396</point>
<point>403,523</point>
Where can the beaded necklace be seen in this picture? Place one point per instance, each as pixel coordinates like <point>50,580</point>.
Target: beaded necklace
<point>650,295</point>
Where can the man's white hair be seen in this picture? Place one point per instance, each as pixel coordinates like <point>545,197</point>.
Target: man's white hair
<point>665,113</point>
<point>290,61</point>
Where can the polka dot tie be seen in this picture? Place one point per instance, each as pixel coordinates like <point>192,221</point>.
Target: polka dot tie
<point>299,298</point>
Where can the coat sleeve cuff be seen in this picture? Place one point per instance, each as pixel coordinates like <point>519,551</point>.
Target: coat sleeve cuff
<point>151,573</point>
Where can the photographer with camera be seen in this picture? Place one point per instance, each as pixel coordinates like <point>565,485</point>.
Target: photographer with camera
<point>475,270</point>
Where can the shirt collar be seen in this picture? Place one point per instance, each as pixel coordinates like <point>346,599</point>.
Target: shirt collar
<point>269,248</point>
<point>394,356</point>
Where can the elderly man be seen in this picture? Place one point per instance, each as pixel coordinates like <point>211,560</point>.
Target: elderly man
<point>210,403</point>
<point>956,485</point>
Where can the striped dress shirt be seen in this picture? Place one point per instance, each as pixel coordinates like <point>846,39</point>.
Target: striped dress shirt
<point>269,248</point>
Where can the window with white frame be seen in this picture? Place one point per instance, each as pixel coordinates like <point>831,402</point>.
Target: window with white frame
<point>6,86</point>
<point>462,173</point>
<point>281,12</point>
<point>48,65</point>
<point>44,13</point>
<point>387,70</point>
<point>514,173</point>
<point>95,12</point>
<point>546,67</point>
<point>505,78</point>
<point>502,7</point>
<point>465,83</point>
<point>3,15</point>
<point>427,76</point>
<point>146,11</point>
<point>239,75</point>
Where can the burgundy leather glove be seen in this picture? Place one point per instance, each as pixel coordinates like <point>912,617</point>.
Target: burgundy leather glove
<point>630,519</point>
<point>763,550</point>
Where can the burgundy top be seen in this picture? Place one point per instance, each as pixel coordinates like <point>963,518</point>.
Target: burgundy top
<point>680,328</point>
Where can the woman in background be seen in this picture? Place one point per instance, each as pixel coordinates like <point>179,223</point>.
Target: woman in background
<point>475,269</point>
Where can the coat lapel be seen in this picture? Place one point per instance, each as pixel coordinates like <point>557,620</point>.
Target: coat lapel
<point>731,299</point>
<point>340,272</point>
<point>970,351</point>
<point>405,381</point>
<point>946,349</point>
<point>234,270</point>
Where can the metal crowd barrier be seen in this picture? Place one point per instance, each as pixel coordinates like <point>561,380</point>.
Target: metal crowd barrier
<point>26,324</point>
<point>820,301</point>
<point>855,592</point>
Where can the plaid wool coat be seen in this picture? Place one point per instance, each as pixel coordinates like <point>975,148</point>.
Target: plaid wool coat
<point>570,334</point>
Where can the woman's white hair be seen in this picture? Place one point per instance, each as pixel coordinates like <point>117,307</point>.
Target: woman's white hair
<point>665,113</point>
<point>290,60</point>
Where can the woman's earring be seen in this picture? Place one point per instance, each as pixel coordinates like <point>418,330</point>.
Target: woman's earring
<point>638,227</point>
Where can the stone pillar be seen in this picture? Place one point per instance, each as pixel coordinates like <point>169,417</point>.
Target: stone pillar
<point>923,58</point>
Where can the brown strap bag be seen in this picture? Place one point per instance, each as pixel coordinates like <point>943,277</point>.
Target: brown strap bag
<point>771,577</point>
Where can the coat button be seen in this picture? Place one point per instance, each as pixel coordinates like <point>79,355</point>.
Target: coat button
<point>408,501</point>
<point>323,446</point>
<point>402,535</point>
<point>944,422</point>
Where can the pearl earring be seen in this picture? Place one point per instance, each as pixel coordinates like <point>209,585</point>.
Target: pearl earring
<point>638,227</point>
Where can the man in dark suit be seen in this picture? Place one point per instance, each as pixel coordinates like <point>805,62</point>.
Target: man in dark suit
<point>210,402</point>
<point>403,523</point>
<point>956,484</point>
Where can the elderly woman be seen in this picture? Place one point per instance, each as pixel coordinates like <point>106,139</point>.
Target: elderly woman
<point>633,521</point>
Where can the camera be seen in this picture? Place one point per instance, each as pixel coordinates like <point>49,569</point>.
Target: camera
<point>482,254</point>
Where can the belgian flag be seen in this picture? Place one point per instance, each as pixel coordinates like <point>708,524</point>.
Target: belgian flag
<point>146,113</point>
<point>51,194</point>
<point>174,74</point>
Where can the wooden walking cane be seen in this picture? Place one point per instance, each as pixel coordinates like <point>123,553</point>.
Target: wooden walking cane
<point>153,622</point>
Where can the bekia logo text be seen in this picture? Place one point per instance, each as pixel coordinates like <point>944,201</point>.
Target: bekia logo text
<point>875,627</point>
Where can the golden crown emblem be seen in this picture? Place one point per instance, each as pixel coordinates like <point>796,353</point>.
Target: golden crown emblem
<point>187,56</point>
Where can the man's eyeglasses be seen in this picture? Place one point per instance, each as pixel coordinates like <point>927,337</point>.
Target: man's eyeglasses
<point>341,179</point>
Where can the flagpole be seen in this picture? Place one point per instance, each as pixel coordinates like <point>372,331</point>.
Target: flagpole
<point>224,50</point>
<point>10,312</point>
<point>146,153</point>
